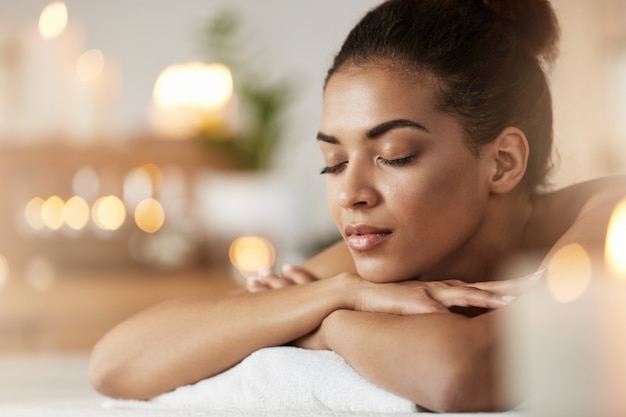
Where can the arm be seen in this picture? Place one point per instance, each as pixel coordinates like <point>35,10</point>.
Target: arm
<point>182,341</point>
<point>444,362</point>
<point>188,339</point>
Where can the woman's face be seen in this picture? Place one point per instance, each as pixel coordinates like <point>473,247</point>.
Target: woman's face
<point>402,186</point>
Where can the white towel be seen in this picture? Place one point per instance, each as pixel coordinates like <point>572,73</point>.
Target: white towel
<point>285,378</point>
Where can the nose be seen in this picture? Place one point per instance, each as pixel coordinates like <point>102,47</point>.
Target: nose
<point>356,189</point>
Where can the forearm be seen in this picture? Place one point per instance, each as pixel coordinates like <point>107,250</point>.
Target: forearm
<point>185,340</point>
<point>444,362</point>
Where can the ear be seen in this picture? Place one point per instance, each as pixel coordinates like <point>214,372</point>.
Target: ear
<point>508,157</point>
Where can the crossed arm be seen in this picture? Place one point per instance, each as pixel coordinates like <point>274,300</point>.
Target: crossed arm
<point>380,328</point>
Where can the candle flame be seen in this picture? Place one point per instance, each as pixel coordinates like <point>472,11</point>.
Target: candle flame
<point>195,84</point>
<point>53,20</point>
<point>615,248</point>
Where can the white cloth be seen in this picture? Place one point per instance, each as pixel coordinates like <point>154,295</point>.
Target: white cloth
<point>284,378</point>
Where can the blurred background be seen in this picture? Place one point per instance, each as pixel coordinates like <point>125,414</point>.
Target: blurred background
<point>150,149</point>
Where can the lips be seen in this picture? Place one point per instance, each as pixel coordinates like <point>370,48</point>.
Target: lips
<point>362,237</point>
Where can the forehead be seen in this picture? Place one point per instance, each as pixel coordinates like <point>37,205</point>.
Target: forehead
<point>362,96</point>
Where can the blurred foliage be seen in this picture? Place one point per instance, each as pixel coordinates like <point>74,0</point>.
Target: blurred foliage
<point>262,102</point>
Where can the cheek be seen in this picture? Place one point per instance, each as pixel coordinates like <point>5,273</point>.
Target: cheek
<point>331,200</point>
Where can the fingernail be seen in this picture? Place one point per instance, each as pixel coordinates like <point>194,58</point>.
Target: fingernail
<point>508,298</point>
<point>286,268</point>
<point>251,280</point>
<point>536,276</point>
<point>265,272</point>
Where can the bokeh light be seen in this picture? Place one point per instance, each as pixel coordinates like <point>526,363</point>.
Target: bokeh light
<point>76,212</point>
<point>250,254</point>
<point>615,249</point>
<point>32,213</point>
<point>194,84</point>
<point>52,212</point>
<point>149,215</point>
<point>569,273</point>
<point>4,272</point>
<point>53,20</point>
<point>108,213</point>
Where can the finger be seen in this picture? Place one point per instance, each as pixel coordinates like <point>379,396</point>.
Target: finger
<point>512,286</point>
<point>253,284</point>
<point>296,275</point>
<point>428,304</point>
<point>422,302</point>
<point>469,297</point>
<point>273,281</point>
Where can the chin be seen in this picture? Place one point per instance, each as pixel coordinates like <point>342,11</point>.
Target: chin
<point>380,273</point>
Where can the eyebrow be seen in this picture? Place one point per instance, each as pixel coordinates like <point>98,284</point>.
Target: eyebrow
<point>379,130</point>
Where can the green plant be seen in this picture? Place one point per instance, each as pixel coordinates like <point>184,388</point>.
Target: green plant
<point>262,102</point>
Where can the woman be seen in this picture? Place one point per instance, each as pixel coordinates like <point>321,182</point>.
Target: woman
<point>436,133</point>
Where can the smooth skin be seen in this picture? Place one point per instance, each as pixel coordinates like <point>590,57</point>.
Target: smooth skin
<point>449,221</point>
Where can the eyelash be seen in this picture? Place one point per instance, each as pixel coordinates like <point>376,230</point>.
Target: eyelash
<point>392,162</point>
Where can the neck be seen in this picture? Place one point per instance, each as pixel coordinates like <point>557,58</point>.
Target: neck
<point>498,240</point>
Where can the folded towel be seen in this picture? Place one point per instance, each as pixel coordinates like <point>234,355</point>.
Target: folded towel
<point>286,378</point>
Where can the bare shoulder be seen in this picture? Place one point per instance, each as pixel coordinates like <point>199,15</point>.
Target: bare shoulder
<point>580,213</point>
<point>595,195</point>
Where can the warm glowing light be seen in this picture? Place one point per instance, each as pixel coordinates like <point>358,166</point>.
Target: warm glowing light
<point>53,20</point>
<point>32,213</point>
<point>108,213</point>
<point>194,84</point>
<point>615,249</point>
<point>4,271</point>
<point>149,215</point>
<point>90,65</point>
<point>52,212</point>
<point>569,273</point>
<point>250,254</point>
<point>76,213</point>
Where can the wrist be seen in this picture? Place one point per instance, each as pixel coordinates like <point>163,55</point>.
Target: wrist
<point>348,293</point>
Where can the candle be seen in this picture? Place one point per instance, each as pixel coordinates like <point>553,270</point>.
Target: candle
<point>191,97</point>
<point>613,323</point>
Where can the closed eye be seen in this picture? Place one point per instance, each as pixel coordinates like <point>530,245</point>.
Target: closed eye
<point>333,169</point>
<point>400,161</point>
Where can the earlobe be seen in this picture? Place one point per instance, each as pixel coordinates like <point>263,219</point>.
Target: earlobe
<point>510,158</point>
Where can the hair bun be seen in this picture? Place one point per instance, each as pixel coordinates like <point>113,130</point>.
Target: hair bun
<point>534,20</point>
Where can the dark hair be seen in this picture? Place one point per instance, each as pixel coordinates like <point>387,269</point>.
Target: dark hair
<point>489,56</point>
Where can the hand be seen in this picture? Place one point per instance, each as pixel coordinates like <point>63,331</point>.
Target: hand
<point>266,279</point>
<point>416,297</point>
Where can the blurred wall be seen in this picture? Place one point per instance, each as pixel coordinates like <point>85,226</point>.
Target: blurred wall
<point>299,38</point>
